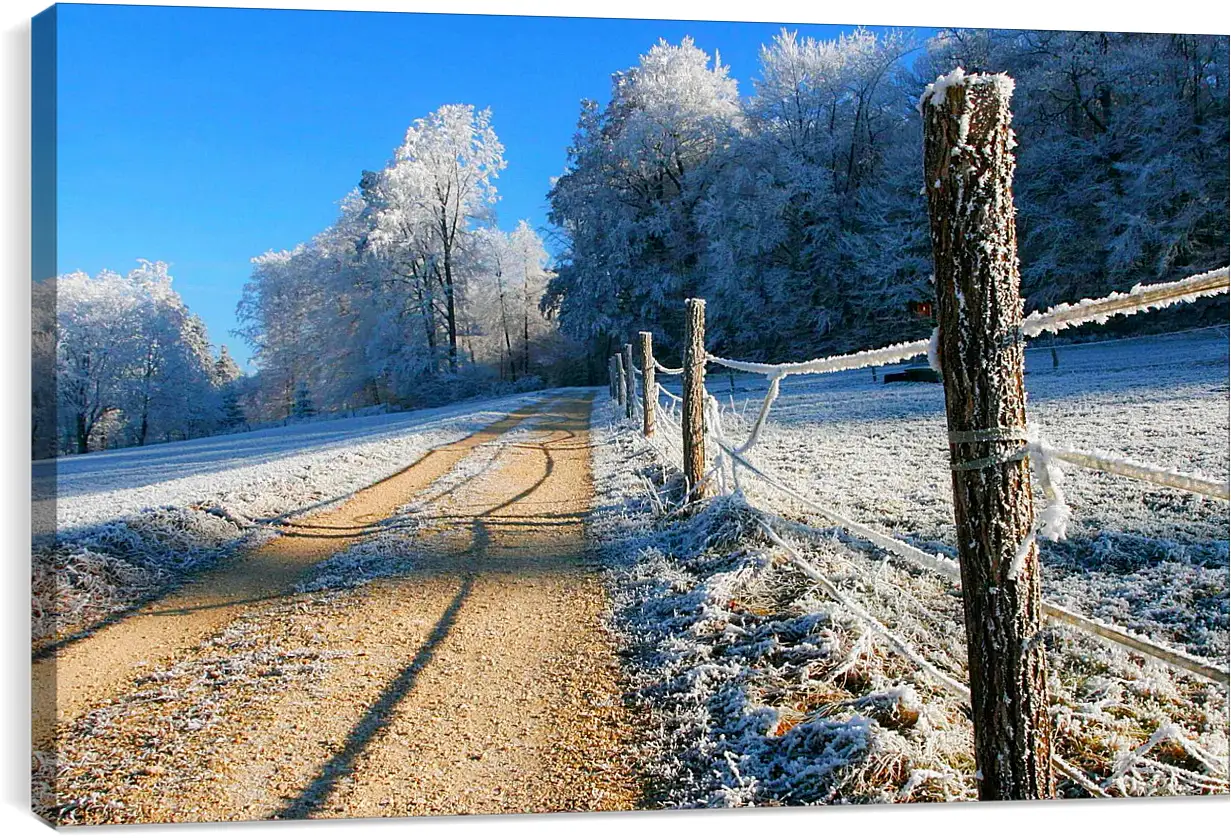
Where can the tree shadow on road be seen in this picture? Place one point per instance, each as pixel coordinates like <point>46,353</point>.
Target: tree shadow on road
<point>377,717</point>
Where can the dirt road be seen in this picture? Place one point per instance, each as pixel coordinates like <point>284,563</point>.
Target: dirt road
<point>477,678</point>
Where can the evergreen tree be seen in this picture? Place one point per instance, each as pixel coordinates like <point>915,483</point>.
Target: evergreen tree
<point>303,407</point>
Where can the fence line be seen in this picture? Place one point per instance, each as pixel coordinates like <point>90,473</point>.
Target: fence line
<point>1056,319</point>
<point>1101,461</point>
<point>949,569</point>
<point>978,349</point>
<point>1059,317</point>
<point>1141,298</point>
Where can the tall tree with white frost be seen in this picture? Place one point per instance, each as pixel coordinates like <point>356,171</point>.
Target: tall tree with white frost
<point>626,204</point>
<point>445,171</point>
<point>130,355</point>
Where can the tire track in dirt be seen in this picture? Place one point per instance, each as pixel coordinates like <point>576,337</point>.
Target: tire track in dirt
<point>95,667</point>
<point>482,681</point>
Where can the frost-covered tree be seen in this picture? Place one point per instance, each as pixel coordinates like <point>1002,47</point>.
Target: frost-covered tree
<point>133,365</point>
<point>96,348</point>
<point>811,222</point>
<point>626,204</point>
<point>1122,170</point>
<point>173,380</point>
<point>304,407</point>
<point>798,212</point>
<point>440,184</point>
<point>44,431</point>
<point>509,288</point>
<point>226,378</point>
<point>412,296</point>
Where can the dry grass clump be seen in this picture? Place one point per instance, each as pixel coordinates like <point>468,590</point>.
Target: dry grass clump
<point>83,578</point>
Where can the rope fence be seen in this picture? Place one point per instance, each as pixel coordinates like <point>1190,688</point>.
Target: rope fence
<point>978,351</point>
<point>733,457</point>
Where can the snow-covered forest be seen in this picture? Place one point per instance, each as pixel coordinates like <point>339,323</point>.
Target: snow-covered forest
<point>794,208</point>
<point>797,211</point>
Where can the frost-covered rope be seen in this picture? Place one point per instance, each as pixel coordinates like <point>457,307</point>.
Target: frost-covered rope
<point>1053,519</point>
<point>1123,637</point>
<point>667,370</point>
<point>936,562</point>
<point>951,684</point>
<point>668,393</point>
<point>754,435</point>
<point>1102,461</point>
<point>834,363</point>
<point>903,648</point>
<point>950,569</point>
<point>1140,298</point>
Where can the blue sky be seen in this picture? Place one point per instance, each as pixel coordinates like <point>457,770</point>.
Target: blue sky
<point>204,137</point>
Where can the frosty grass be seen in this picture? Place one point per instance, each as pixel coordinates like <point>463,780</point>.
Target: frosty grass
<point>757,689</point>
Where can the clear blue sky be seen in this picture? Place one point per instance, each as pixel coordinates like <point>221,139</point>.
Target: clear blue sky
<point>204,137</point>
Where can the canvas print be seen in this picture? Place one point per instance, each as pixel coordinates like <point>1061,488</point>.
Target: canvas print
<point>441,414</point>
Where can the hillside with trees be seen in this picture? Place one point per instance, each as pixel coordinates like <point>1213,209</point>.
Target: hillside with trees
<point>797,212</point>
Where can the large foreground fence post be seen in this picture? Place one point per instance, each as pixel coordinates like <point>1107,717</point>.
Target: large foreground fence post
<point>693,419</point>
<point>968,171</point>
<point>630,383</point>
<point>649,387</point>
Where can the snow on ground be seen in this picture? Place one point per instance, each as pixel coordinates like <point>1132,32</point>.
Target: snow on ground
<point>760,689</point>
<point>93,488</point>
<point>135,521</point>
<point>1149,558</point>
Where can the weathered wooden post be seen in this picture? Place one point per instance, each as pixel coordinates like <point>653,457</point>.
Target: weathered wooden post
<point>693,419</point>
<point>620,374</point>
<point>610,379</point>
<point>630,382</point>
<point>968,172</point>
<point>649,388</point>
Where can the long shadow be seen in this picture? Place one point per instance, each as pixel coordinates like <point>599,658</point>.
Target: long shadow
<point>285,528</point>
<point>377,717</point>
<point>387,525</point>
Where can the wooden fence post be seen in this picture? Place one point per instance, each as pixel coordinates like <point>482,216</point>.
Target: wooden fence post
<point>649,388</point>
<point>968,172</point>
<point>630,382</point>
<point>619,368</point>
<point>693,419</point>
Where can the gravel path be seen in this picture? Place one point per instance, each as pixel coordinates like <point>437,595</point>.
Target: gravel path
<point>477,678</point>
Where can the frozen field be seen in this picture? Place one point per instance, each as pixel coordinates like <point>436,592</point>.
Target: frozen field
<point>762,689</point>
<point>334,456</point>
<point>878,453</point>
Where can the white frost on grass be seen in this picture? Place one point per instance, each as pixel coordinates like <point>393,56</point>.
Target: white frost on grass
<point>1150,558</point>
<point>252,470</point>
<point>689,593</point>
<point>755,688</point>
<point>128,528</point>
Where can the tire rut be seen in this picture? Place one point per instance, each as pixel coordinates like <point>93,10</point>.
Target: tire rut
<point>97,666</point>
<point>481,681</point>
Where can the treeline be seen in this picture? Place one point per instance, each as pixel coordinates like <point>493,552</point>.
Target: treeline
<point>413,296</point>
<point>798,211</point>
<point>131,365</point>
